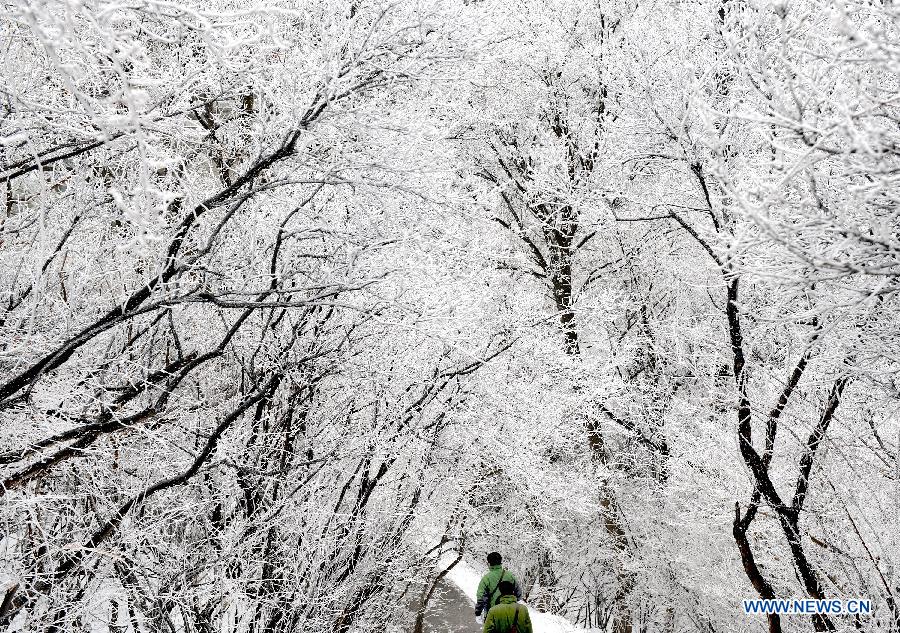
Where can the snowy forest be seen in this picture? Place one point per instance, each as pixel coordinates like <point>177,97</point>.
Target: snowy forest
<point>307,304</point>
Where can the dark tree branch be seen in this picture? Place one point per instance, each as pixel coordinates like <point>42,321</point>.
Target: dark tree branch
<point>693,233</point>
<point>657,446</point>
<point>760,584</point>
<point>814,440</point>
<point>793,380</point>
<point>171,267</point>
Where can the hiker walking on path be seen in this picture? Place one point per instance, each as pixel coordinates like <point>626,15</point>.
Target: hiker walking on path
<point>489,588</point>
<point>507,616</point>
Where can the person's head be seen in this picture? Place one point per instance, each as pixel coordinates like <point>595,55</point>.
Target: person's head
<point>494,558</point>
<point>506,588</point>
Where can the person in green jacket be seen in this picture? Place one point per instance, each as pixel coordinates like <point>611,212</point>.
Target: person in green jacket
<point>489,587</point>
<point>507,616</point>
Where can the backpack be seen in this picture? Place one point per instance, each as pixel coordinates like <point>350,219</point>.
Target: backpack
<point>515,627</point>
<point>490,594</point>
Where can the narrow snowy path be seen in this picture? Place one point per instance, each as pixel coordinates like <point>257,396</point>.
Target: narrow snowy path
<point>450,611</point>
